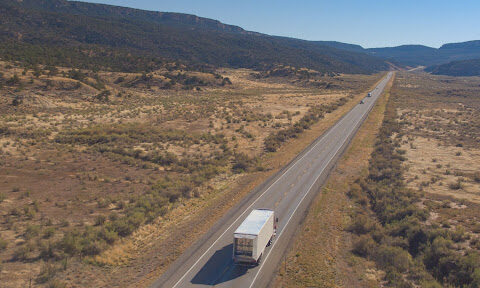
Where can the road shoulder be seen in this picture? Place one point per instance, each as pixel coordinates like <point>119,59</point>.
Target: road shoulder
<point>319,255</point>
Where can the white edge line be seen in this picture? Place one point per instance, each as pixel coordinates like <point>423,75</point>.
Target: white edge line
<point>294,164</point>
<point>308,192</point>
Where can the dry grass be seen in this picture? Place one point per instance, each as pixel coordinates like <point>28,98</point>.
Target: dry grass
<point>434,168</point>
<point>441,117</point>
<point>441,143</point>
<point>64,186</point>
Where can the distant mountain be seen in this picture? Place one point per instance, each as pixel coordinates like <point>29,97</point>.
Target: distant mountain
<point>416,55</point>
<point>341,45</point>
<point>464,46</point>
<point>457,68</point>
<point>461,51</point>
<point>95,35</point>
<point>101,10</point>
<point>410,55</point>
<point>86,34</point>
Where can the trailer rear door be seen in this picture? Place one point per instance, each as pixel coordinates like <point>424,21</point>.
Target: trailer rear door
<point>243,247</point>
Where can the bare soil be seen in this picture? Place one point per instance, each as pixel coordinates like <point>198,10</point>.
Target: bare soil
<point>57,178</point>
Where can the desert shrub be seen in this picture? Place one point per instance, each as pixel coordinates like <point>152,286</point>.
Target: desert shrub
<point>430,284</point>
<point>47,250</point>
<point>364,246</point>
<point>450,267</point>
<point>70,243</point>
<point>459,234</point>
<point>476,177</point>
<point>362,224</point>
<point>417,239</point>
<point>3,244</point>
<point>120,79</point>
<point>186,190</point>
<point>77,75</point>
<point>14,80</point>
<point>103,96</point>
<point>476,228</point>
<point>355,192</point>
<point>395,279</point>
<point>103,202</point>
<point>99,220</point>
<point>109,236</point>
<point>54,283</point>
<point>49,232</point>
<point>89,242</point>
<point>241,162</point>
<point>392,257</point>
<point>476,278</point>
<point>31,231</point>
<point>23,252</point>
<point>47,272</point>
<point>92,247</point>
<point>136,218</point>
<point>15,212</point>
<point>456,185</point>
<point>226,81</point>
<point>121,226</point>
<point>64,223</point>
<point>52,70</point>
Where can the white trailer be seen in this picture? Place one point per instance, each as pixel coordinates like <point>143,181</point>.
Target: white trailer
<point>252,236</point>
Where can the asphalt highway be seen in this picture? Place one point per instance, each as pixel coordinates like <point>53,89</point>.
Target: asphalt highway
<point>208,263</point>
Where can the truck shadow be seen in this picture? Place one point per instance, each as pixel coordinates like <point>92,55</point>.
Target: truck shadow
<point>219,268</point>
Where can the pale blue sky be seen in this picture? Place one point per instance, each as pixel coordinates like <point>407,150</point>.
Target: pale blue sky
<point>370,23</point>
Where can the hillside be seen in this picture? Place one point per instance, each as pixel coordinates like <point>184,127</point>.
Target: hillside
<point>457,68</point>
<point>415,55</point>
<point>469,45</point>
<point>343,46</point>
<point>100,10</point>
<point>88,35</point>
<point>461,51</point>
<point>410,55</point>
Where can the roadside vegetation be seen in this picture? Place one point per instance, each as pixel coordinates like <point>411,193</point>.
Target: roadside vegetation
<point>92,159</point>
<point>411,219</point>
<point>397,225</point>
<point>314,114</point>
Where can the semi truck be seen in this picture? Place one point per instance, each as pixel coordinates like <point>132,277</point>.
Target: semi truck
<point>369,94</point>
<point>252,236</point>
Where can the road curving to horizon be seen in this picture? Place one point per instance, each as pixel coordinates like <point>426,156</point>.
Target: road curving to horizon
<point>208,262</point>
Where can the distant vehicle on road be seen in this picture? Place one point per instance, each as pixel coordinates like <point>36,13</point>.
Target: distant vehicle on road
<point>369,94</point>
<point>361,102</point>
<point>252,236</point>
